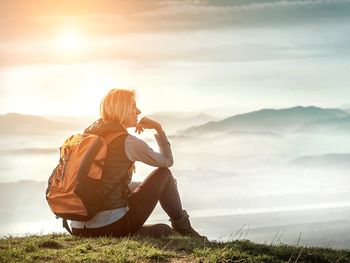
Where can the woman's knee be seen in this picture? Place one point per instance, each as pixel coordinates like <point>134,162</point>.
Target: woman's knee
<point>164,174</point>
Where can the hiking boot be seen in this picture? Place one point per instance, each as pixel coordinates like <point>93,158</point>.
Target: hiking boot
<point>183,226</point>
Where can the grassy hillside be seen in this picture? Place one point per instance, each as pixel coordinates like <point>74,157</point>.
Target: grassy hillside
<point>65,248</point>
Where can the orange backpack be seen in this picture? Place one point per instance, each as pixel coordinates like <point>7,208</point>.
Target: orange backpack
<point>71,192</point>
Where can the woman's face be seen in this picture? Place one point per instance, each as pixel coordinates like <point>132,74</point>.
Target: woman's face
<point>133,117</point>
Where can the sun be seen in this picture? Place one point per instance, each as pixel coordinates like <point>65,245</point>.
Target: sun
<point>69,42</point>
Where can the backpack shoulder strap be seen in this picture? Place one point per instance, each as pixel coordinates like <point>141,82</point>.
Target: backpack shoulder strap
<point>110,137</point>
<point>66,226</point>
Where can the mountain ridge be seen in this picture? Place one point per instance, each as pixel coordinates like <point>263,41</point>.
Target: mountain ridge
<point>328,160</point>
<point>267,120</point>
<point>298,118</point>
<point>22,123</point>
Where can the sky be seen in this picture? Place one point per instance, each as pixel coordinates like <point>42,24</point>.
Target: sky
<point>220,57</point>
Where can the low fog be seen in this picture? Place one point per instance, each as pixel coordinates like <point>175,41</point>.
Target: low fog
<point>253,183</point>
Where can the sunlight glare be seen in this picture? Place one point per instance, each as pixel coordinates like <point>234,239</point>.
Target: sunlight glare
<point>69,42</point>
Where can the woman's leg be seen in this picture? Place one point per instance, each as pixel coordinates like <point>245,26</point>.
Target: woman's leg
<point>158,186</point>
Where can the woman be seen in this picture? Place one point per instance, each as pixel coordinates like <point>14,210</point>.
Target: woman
<point>123,212</point>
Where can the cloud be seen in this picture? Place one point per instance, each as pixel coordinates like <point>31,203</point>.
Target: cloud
<point>221,46</point>
<point>180,31</point>
<point>205,15</point>
<point>112,17</point>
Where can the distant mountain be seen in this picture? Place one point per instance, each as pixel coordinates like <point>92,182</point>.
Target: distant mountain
<point>36,151</point>
<point>174,121</point>
<point>19,123</point>
<point>269,120</point>
<point>265,121</point>
<point>329,160</point>
<point>80,122</point>
<point>334,125</point>
<point>16,123</point>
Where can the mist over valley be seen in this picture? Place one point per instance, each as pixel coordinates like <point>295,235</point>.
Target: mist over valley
<point>242,169</point>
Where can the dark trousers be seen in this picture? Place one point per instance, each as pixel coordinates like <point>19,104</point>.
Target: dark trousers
<point>159,186</point>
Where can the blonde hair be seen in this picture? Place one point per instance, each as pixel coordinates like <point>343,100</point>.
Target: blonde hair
<point>117,105</point>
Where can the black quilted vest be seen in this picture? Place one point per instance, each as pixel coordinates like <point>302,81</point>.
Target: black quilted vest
<point>113,191</point>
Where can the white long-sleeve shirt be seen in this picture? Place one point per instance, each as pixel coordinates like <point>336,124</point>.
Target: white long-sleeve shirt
<point>136,150</point>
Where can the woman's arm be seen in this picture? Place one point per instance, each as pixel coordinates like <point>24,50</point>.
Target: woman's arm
<point>147,123</point>
<point>138,150</point>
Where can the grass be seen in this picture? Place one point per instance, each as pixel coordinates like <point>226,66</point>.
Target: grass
<point>65,248</point>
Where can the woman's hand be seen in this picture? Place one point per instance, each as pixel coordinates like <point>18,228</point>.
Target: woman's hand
<point>147,123</point>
